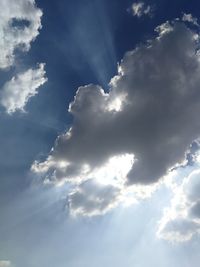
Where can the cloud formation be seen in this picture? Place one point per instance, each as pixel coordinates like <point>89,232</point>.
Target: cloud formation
<point>190,18</point>
<point>140,9</point>
<point>181,221</point>
<point>151,112</point>
<point>92,198</point>
<point>16,93</point>
<point>20,22</point>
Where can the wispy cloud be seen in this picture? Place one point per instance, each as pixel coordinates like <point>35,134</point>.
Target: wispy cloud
<point>190,18</point>
<point>140,9</point>
<point>16,93</point>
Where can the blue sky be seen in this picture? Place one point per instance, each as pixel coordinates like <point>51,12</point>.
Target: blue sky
<point>99,115</point>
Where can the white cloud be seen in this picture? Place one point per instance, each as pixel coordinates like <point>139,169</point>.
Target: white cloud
<point>92,198</point>
<point>20,23</point>
<point>16,93</point>
<point>179,230</point>
<point>190,18</point>
<point>140,9</point>
<point>155,117</point>
<point>5,263</point>
<point>95,191</point>
<point>13,35</point>
<point>181,221</point>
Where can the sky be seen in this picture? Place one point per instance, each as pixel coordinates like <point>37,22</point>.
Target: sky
<point>99,133</point>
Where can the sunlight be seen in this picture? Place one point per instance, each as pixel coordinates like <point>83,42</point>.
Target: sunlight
<point>115,170</point>
<point>117,103</point>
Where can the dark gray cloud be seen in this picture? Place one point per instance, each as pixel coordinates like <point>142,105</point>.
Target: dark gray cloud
<point>151,111</point>
<point>195,210</point>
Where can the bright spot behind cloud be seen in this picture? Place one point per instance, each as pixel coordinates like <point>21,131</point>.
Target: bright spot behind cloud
<point>114,171</point>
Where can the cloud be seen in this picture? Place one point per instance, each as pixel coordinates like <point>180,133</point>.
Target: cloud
<point>16,93</point>
<point>20,22</point>
<point>5,263</point>
<point>179,230</point>
<point>181,221</point>
<point>150,112</point>
<point>92,198</point>
<point>19,25</point>
<point>190,18</point>
<point>140,9</point>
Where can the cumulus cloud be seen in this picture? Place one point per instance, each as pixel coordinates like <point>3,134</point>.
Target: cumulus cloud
<point>150,112</point>
<point>5,263</point>
<point>20,22</point>
<point>140,9</point>
<point>181,221</point>
<point>16,93</point>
